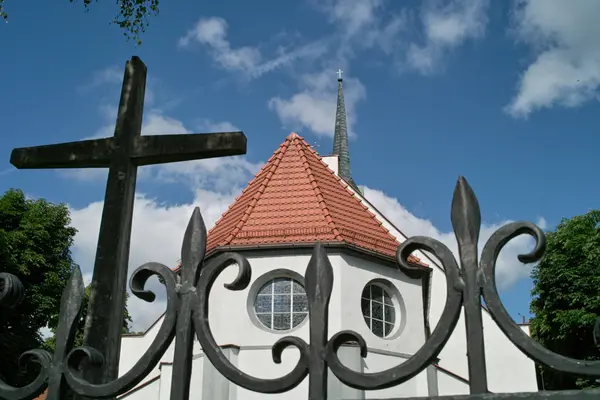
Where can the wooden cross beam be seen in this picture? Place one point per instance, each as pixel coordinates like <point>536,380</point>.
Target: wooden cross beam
<point>122,154</point>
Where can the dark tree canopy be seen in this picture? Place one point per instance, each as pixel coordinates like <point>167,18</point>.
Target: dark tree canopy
<point>35,238</point>
<point>566,299</point>
<point>132,16</point>
<point>35,241</point>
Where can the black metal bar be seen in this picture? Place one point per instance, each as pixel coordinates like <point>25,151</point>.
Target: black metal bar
<point>466,221</point>
<point>319,284</point>
<point>192,255</point>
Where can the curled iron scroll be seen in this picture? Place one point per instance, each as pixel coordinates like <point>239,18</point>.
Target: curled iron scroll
<point>434,344</point>
<point>35,388</point>
<point>11,290</point>
<point>210,347</point>
<point>153,354</point>
<point>51,364</point>
<point>11,294</point>
<point>519,338</point>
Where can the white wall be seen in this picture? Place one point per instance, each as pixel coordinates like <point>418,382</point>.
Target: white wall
<point>332,162</point>
<point>508,369</point>
<point>357,272</point>
<point>231,324</point>
<point>447,383</point>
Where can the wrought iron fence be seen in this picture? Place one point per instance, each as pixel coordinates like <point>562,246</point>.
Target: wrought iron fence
<point>187,314</point>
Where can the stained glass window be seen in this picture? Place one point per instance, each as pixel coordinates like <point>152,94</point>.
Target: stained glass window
<point>281,304</point>
<point>378,310</point>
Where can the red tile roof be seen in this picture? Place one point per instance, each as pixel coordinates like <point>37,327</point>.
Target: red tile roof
<point>42,396</point>
<point>296,198</point>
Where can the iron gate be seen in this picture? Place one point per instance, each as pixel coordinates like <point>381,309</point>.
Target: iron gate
<point>186,319</point>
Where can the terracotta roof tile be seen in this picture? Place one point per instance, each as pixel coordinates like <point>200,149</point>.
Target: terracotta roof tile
<point>295,197</point>
<point>42,396</point>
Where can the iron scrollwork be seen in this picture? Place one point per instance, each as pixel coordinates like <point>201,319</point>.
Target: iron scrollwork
<point>11,290</point>
<point>465,288</point>
<point>187,316</point>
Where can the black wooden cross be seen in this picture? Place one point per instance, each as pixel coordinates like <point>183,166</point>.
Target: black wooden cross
<point>122,154</point>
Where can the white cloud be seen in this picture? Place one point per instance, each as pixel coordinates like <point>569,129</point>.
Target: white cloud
<point>370,24</point>
<point>363,24</point>
<point>208,126</point>
<point>314,106</point>
<point>156,236</point>
<point>564,39</point>
<point>509,269</point>
<point>109,75</point>
<point>359,25</point>
<point>446,26</point>
<point>353,15</point>
<point>212,33</point>
<point>443,24</point>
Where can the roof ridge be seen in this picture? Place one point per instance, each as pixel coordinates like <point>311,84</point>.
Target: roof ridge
<point>272,163</point>
<point>346,187</point>
<point>301,145</point>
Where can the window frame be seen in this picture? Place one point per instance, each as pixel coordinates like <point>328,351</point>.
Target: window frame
<point>254,292</point>
<point>396,302</point>
<point>273,312</point>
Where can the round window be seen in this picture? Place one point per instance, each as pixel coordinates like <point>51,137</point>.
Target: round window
<point>281,304</point>
<point>378,310</point>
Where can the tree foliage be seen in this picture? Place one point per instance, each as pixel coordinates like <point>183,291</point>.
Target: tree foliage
<point>35,241</point>
<point>36,237</point>
<point>132,16</point>
<point>566,299</point>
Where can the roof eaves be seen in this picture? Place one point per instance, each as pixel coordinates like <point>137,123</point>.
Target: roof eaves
<point>413,261</point>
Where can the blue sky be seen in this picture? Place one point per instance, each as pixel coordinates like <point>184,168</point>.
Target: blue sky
<point>504,93</point>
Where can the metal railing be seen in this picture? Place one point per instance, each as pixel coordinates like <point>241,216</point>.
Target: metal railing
<point>186,319</point>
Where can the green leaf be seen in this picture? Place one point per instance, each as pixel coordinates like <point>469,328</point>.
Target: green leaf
<point>132,16</point>
<point>566,297</point>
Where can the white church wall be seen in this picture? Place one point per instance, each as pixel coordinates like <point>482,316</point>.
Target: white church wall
<point>332,162</point>
<point>132,349</point>
<point>450,385</point>
<point>503,365</point>
<point>232,323</point>
<point>508,369</point>
<point>232,312</point>
<point>196,382</point>
<point>259,363</point>
<point>148,391</point>
<point>378,361</point>
<point>408,334</point>
<point>165,381</point>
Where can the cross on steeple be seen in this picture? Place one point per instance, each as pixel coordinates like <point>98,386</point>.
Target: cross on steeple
<point>339,74</point>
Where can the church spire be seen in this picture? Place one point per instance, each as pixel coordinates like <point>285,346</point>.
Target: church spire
<point>340,137</point>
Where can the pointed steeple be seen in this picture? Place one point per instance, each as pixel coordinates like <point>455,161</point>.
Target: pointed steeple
<point>340,137</point>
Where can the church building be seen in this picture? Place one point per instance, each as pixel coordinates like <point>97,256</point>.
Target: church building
<point>300,197</point>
